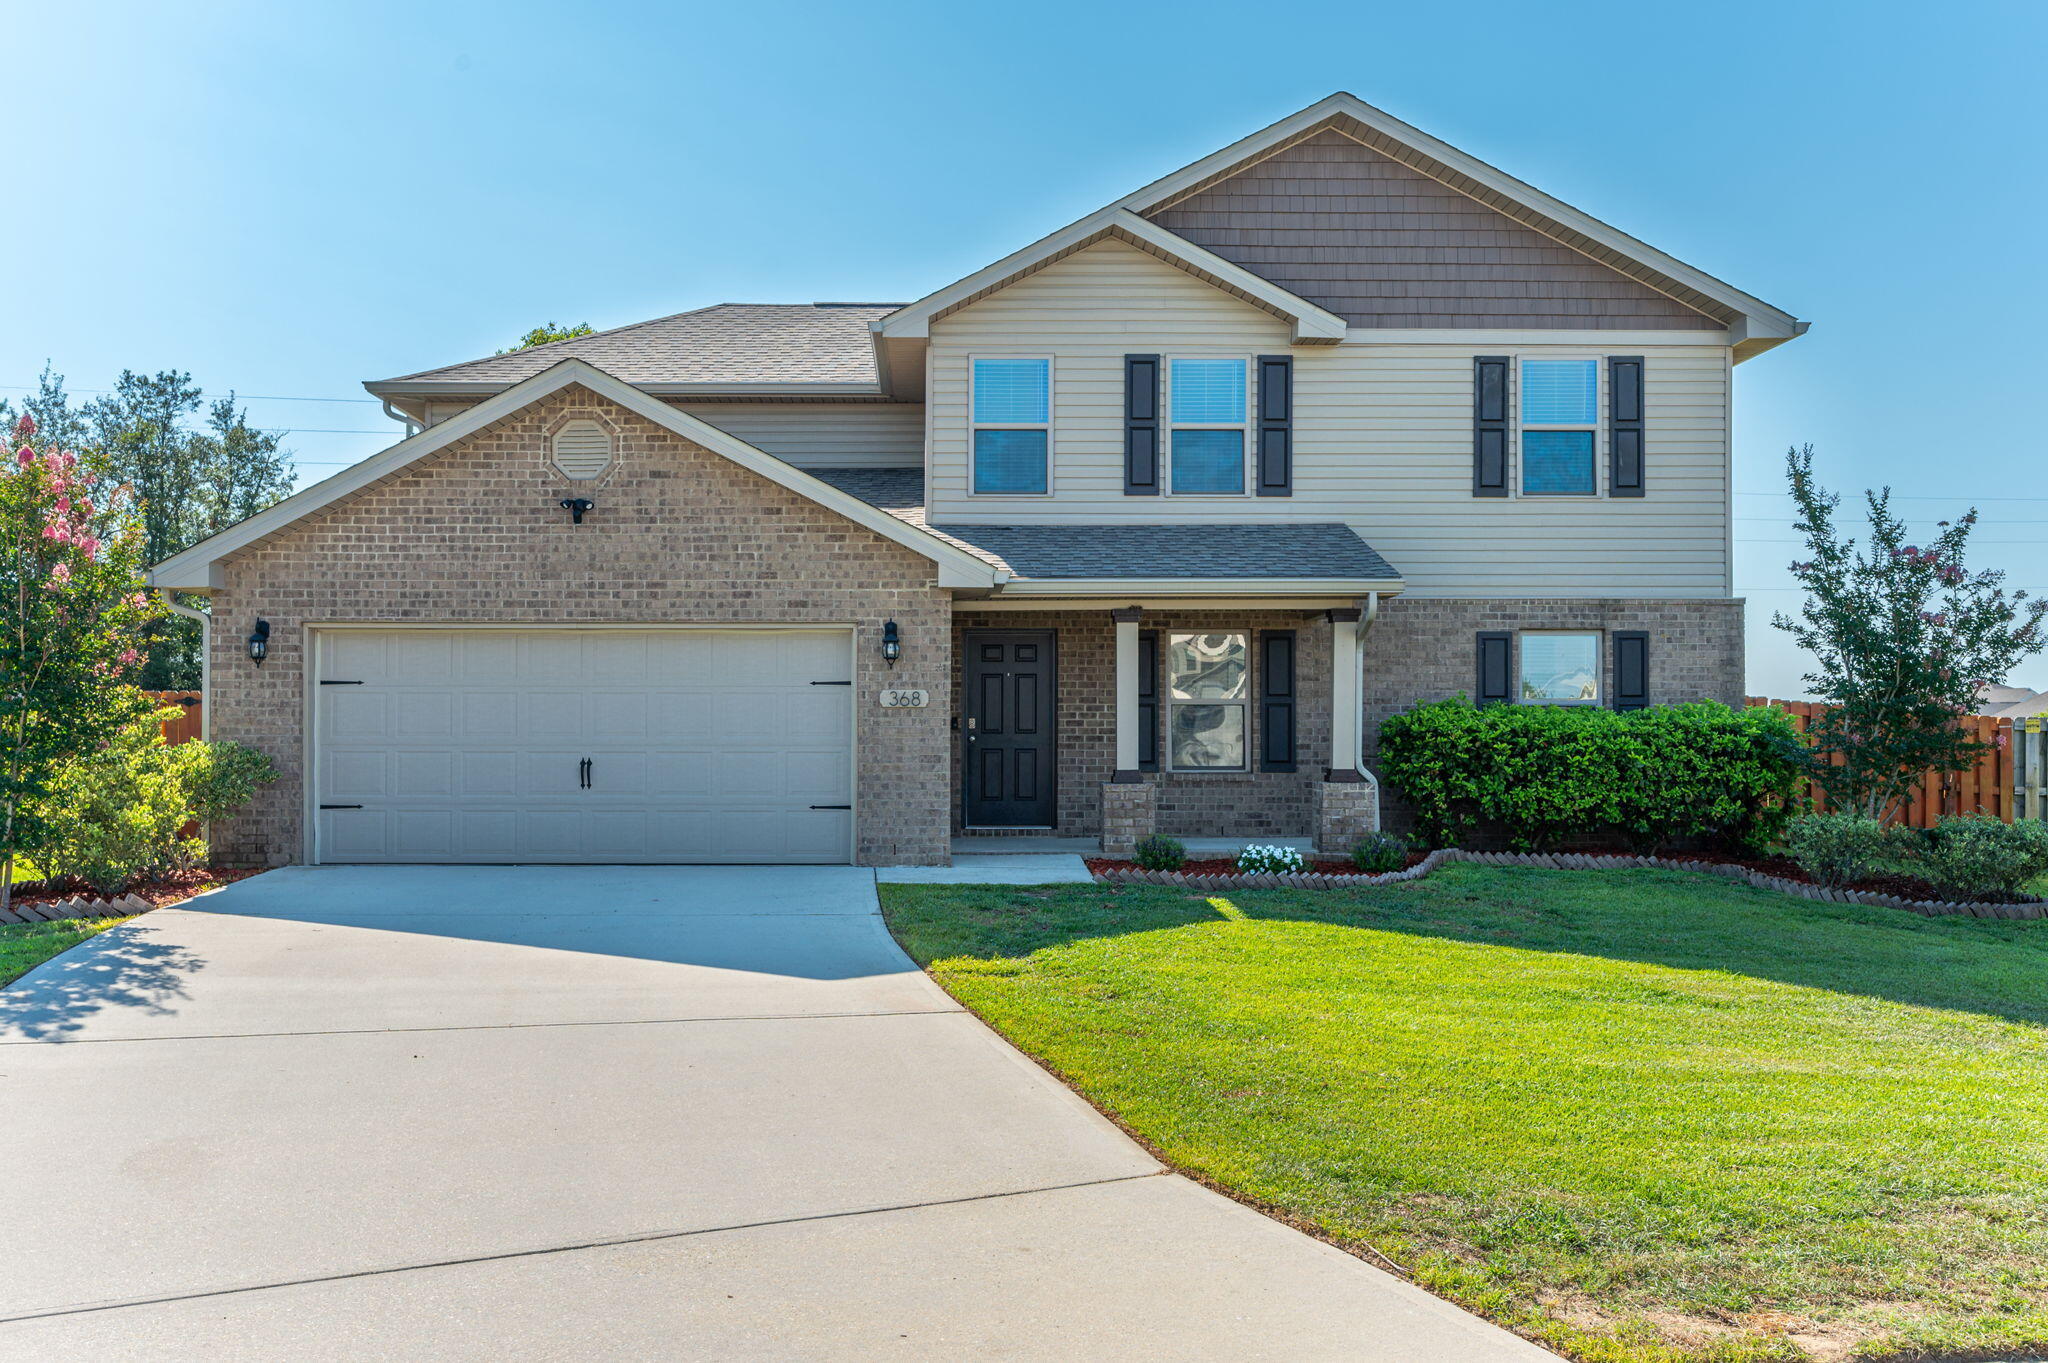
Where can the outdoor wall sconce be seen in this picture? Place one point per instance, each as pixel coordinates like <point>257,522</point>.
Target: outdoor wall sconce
<point>892,644</point>
<point>259,641</point>
<point>576,506</point>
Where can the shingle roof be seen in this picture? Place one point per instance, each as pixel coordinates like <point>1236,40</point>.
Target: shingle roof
<point>724,343</point>
<point>1284,549</point>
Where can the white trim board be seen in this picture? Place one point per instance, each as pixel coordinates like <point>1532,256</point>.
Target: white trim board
<point>1312,324</point>
<point>198,568</point>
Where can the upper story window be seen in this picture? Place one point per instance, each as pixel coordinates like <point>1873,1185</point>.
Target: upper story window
<point>1012,404</point>
<point>1206,410</point>
<point>1208,694</point>
<point>1560,668</point>
<point>1559,428</point>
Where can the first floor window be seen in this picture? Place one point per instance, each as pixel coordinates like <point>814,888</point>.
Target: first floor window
<point>1208,687</point>
<point>1012,406</point>
<point>1560,402</point>
<point>1560,668</point>
<point>1206,406</point>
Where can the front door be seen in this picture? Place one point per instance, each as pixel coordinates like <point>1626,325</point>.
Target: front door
<point>1009,729</point>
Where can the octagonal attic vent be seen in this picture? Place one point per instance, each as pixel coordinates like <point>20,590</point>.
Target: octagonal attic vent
<point>583,450</point>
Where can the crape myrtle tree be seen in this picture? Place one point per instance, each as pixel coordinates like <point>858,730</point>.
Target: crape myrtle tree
<point>73,616</point>
<point>1903,636</point>
<point>192,476</point>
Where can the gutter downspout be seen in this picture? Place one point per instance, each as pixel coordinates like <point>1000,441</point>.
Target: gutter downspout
<point>1365,619</point>
<point>412,428</point>
<point>205,658</point>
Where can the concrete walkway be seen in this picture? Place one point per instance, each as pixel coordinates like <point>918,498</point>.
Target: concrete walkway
<point>600,1113</point>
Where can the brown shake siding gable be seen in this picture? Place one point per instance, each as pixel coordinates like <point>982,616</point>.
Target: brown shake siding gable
<point>473,534</point>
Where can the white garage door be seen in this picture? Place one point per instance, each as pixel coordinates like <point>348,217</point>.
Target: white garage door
<point>583,745</point>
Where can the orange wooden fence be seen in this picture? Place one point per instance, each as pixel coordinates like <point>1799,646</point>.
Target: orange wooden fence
<point>1986,788</point>
<point>186,725</point>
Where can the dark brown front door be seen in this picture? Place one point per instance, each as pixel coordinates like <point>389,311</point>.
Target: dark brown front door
<point>1009,729</point>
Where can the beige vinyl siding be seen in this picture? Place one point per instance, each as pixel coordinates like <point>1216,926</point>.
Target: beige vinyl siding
<point>808,434</point>
<point>1383,439</point>
<point>824,434</point>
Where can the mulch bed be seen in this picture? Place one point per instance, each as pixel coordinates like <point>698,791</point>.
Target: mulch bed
<point>1904,887</point>
<point>1227,866</point>
<point>159,893</point>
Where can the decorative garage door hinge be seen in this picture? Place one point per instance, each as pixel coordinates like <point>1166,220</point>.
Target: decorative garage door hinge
<point>831,806</point>
<point>844,683</point>
<point>325,682</point>
<point>341,806</point>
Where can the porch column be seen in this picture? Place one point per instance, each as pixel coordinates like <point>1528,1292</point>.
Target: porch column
<point>1126,619</point>
<point>1344,697</point>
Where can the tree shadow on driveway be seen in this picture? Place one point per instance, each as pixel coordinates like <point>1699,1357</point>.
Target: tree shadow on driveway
<point>132,966</point>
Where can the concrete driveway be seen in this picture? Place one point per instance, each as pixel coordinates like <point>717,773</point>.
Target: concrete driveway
<point>432,1113</point>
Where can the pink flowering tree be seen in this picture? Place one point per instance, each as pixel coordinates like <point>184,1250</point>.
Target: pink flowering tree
<point>72,617</point>
<point>1902,636</point>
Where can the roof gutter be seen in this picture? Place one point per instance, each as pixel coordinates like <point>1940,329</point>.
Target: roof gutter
<point>1194,587</point>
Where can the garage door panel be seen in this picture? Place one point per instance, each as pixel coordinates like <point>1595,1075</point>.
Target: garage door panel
<point>468,745</point>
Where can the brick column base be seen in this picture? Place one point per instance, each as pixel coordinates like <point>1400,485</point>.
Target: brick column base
<point>1345,812</point>
<point>1129,815</point>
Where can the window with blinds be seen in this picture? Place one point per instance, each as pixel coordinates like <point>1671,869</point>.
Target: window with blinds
<point>1559,428</point>
<point>1012,410</point>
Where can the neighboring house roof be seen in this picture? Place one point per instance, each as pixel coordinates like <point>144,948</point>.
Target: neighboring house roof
<point>197,568</point>
<point>1299,555</point>
<point>2035,703</point>
<point>1993,699</point>
<point>823,347</point>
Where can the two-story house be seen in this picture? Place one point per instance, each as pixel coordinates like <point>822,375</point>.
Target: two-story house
<point>1144,527</point>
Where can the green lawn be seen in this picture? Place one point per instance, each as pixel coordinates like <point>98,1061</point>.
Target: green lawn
<point>24,946</point>
<point>1636,1115</point>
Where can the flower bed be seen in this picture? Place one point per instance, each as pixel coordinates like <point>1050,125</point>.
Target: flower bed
<point>1766,874</point>
<point>42,900</point>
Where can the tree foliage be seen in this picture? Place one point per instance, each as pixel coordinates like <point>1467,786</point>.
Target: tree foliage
<point>545,333</point>
<point>1902,637</point>
<point>192,476</point>
<point>72,618</point>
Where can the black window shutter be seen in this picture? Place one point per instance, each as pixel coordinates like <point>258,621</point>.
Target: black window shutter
<point>1276,425</point>
<point>1625,425</point>
<point>1148,700</point>
<point>1276,700</point>
<point>1496,668</point>
<point>1489,426</point>
<point>1631,669</point>
<point>1141,425</point>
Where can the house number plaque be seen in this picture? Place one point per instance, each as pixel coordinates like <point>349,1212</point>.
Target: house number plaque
<point>903,698</point>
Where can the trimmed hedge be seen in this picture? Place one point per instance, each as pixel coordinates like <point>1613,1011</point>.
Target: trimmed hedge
<point>1539,776</point>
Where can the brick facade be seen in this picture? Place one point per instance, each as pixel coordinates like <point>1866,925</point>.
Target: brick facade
<point>1424,649</point>
<point>473,534</point>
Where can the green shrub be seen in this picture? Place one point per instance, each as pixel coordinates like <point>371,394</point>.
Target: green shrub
<point>1260,859</point>
<point>117,815</point>
<point>1159,853</point>
<point>1974,857</point>
<point>1539,775</point>
<point>1378,853</point>
<point>1836,849</point>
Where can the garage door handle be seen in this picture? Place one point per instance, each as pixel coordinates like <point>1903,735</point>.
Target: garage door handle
<point>583,773</point>
<point>831,806</point>
<point>341,806</point>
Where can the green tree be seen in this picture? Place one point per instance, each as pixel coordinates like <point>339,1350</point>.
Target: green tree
<point>1902,637</point>
<point>72,617</point>
<point>545,333</point>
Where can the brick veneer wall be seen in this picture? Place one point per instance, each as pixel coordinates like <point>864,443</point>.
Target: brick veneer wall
<point>679,536</point>
<point>1423,650</point>
<point>1190,804</point>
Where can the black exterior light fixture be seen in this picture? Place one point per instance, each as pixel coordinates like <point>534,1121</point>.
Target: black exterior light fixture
<point>892,643</point>
<point>259,641</point>
<point>576,506</point>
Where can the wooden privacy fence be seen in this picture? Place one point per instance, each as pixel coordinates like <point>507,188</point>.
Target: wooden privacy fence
<point>1986,788</point>
<point>185,726</point>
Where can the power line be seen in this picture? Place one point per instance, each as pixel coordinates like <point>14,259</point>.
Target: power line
<point>251,397</point>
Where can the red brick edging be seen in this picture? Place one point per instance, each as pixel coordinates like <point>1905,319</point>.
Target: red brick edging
<point>1566,861</point>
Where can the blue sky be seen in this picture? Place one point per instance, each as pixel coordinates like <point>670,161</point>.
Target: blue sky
<point>289,199</point>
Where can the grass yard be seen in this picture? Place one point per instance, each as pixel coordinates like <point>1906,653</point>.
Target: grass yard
<point>1635,1115</point>
<point>24,946</point>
